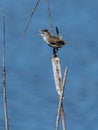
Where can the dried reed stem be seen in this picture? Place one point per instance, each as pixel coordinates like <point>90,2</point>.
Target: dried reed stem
<point>57,75</point>
<point>29,19</point>
<point>63,117</point>
<point>60,89</point>
<point>50,18</point>
<point>4,76</point>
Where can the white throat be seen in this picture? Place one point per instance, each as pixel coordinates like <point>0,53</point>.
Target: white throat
<point>46,39</point>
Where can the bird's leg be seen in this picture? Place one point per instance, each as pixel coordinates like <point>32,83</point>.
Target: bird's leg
<point>55,50</point>
<point>54,53</point>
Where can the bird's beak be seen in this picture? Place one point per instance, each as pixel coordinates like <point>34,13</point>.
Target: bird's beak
<point>40,32</point>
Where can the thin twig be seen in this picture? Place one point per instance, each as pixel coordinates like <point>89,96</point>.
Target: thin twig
<point>58,114</point>
<point>64,79</point>
<point>4,75</point>
<point>50,18</point>
<point>3,37</point>
<point>60,107</point>
<point>63,117</point>
<point>29,19</point>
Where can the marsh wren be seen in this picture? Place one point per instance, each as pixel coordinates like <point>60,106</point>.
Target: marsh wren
<point>53,41</point>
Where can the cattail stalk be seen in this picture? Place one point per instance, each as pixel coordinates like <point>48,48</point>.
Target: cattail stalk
<point>60,85</point>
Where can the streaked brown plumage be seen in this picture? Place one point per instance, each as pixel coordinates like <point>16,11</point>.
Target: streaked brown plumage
<point>53,41</point>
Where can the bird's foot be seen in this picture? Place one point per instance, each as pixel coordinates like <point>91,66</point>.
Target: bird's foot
<point>54,55</point>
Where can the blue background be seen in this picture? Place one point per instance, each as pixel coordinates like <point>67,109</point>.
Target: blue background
<point>31,95</point>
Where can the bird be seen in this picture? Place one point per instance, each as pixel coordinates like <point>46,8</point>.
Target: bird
<point>53,41</point>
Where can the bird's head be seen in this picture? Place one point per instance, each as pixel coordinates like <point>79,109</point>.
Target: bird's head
<point>44,33</point>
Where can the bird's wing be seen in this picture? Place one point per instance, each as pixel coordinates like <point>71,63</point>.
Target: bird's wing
<point>55,40</point>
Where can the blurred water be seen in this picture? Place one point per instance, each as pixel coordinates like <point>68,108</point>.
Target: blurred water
<point>32,99</point>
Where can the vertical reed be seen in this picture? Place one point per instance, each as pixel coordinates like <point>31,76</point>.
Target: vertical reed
<point>4,75</point>
<point>60,85</point>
